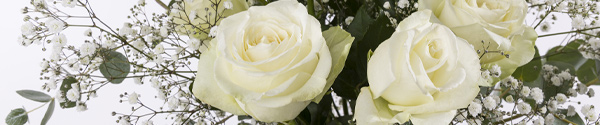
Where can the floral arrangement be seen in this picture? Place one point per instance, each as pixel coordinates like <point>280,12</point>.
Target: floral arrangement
<point>360,62</point>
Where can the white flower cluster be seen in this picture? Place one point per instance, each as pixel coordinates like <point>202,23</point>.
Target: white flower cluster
<point>551,73</point>
<point>590,49</point>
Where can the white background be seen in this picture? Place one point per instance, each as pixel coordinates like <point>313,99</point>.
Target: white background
<point>19,66</point>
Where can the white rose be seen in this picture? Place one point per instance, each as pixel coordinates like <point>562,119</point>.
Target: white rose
<point>499,23</point>
<point>423,72</point>
<point>197,16</point>
<point>270,62</point>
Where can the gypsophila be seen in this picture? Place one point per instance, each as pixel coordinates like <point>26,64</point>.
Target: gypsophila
<point>496,71</point>
<point>509,99</point>
<point>228,5</point>
<point>159,49</point>
<point>386,5</point>
<point>28,29</point>
<point>539,121</point>
<point>349,20</point>
<point>474,109</point>
<point>213,31</point>
<point>537,94</point>
<point>523,108</point>
<point>511,82</point>
<point>525,91</point>
<point>81,106</point>
<point>133,98</point>
<point>54,26</point>
<point>552,106</point>
<point>193,44</point>
<point>87,49</point>
<point>69,3</point>
<point>591,93</point>
<point>489,102</point>
<point>561,98</point>
<point>87,32</point>
<point>556,81</point>
<point>549,119</point>
<point>403,3</point>
<point>571,111</point>
<point>173,103</point>
<point>72,95</point>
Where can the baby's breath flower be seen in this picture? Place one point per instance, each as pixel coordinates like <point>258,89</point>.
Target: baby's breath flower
<point>88,33</point>
<point>403,3</point>
<point>539,121</point>
<point>578,22</point>
<point>496,71</point>
<point>525,91</point>
<point>556,81</point>
<point>549,119</point>
<point>69,3</point>
<point>173,103</point>
<point>349,20</point>
<point>489,103</point>
<point>571,111</point>
<point>73,95</point>
<point>28,29</point>
<point>60,40</point>
<point>87,49</point>
<point>386,5</point>
<point>591,93</point>
<point>133,98</point>
<point>228,5</point>
<point>81,106</point>
<point>561,98</point>
<point>537,95</point>
<point>159,49</point>
<point>164,32</point>
<point>213,31</point>
<point>509,99</point>
<point>552,105</point>
<point>523,108</point>
<point>474,108</point>
<point>193,44</point>
<point>54,26</point>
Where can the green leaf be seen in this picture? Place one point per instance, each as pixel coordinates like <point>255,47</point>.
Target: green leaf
<point>360,24</point>
<point>35,95</point>
<point>530,71</point>
<point>567,54</point>
<point>49,112</point>
<point>587,73</point>
<point>575,118</point>
<point>115,66</point>
<point>64,87</point>
<point>17,117</point>
<point>243,117</point>
<point>548,88</point>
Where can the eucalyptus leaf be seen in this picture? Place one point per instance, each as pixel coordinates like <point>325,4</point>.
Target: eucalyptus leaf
<point>115,66</point>
<point>587,73</point>
<point>35,95</point>
<point>17,117</point>
<point>48,113</point>
<point>567,54</point>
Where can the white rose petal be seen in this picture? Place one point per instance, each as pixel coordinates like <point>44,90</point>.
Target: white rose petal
<point>401,64</point>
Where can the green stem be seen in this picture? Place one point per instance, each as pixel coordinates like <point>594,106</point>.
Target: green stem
<point>163,5</point>
<point>509,119</point>
<point>566,32</point>
<point>39,106</point>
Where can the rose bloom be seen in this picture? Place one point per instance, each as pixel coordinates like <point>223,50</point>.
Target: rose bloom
<point>498,23</point>
<point>270,62</point>
<point>193,17</point>
<point>422,73</point>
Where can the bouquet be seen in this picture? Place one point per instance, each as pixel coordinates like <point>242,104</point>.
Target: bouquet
<point>359,62</point>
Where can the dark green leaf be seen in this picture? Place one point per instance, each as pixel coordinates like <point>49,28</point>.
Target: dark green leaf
<point>243,117</point>
<point>66,85</point>
<point>567,54</point>
<point>35,95</point>
<point>575,119</point>
<point>530,71</point>
<point>49,112</point>
<point>115,66</point>
<point>587,73</point>
<point>17,117</point>
<point>548,88</point>
<point>360,24</point>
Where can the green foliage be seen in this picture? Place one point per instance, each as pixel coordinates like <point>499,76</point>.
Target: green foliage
<point>34,95</point>
<point>575,118</point>
<point>64,87</point>
<point>530,71</point>
<point>48,113</point>
<point>115,66</point>
<point>587,73</point>
<point>17,117</point>
<point>567,54</point>
<point>549,89</point>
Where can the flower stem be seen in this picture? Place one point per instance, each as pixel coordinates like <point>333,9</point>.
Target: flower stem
<point>39,106</point>
<point>566,32</point>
